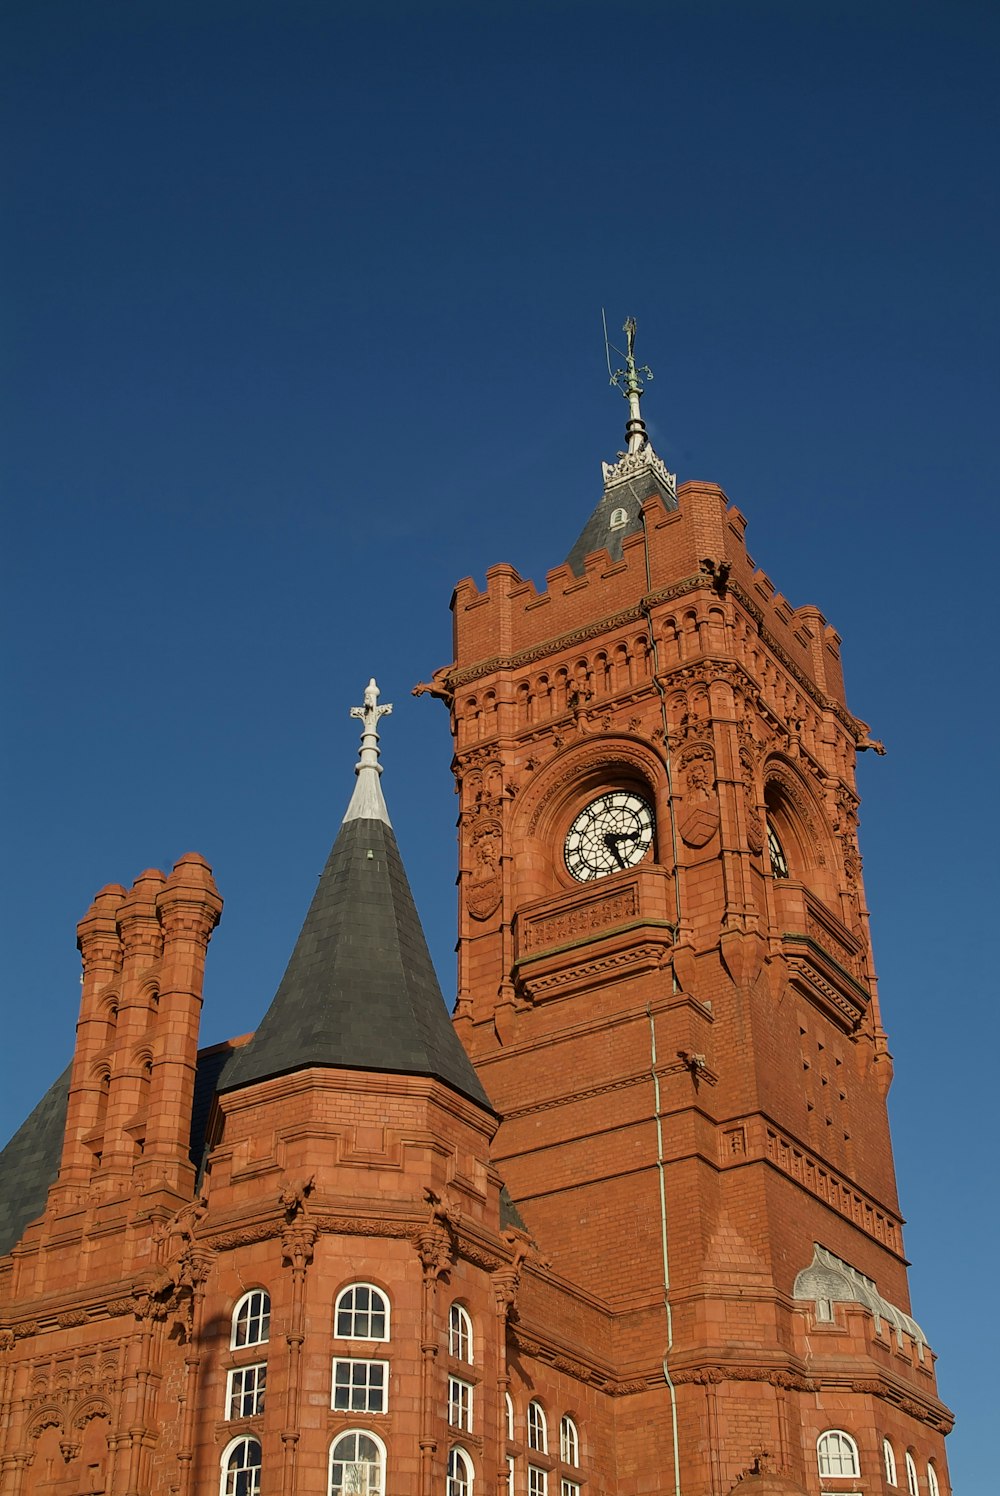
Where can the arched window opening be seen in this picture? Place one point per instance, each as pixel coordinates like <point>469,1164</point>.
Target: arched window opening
<point>538,1437</point>
<point>912,1486</point>
<point>932,1480</point>
<point>837,1454</point>
<point>361,1313</point>
<point>776,852</point>
<point>241,1464</point>
<point>619,517</point>
<point>460,1343</point>
<point>252,1319</point>
<point>889,1460</point>
<point>569,1441</point>
<point>460,1476</point>
<point>357,1465</point>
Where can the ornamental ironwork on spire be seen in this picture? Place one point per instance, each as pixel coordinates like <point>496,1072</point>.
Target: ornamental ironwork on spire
<point>638,474</point>
<point>638,459</point>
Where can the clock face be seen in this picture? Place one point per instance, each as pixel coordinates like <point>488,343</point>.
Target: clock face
<point>611,833</point>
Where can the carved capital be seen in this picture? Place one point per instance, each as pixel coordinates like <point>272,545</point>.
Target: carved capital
<point>297,1243</point>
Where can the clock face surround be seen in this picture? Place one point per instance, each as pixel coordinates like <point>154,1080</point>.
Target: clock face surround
<point>613,832</point>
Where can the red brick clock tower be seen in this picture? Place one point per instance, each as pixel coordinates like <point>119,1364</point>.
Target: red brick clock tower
<point>666,986</point>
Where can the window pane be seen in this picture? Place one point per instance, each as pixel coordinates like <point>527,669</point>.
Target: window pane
<point>360,1386</point>
<point>459,1333</point>
<point>362,1313</point>
<point>246,1391</point>
<point>459,1474</point>
<point>252,1319</point>
<point>536,1428</point>
<point>459,1403</point>
<point>538,1481</point>
<point>569,1442</point>
<point>242,1470</point>
<point>356,1467</point>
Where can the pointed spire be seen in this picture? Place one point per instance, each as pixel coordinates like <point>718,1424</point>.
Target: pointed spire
<point>638,474</point>
<point>628,380</point>
<point>360,991</point>
<point>368,803</point>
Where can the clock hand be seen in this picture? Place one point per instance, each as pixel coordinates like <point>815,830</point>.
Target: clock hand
<point>611,842</point>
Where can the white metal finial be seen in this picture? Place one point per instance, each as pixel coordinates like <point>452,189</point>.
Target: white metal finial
<point>367,802</point>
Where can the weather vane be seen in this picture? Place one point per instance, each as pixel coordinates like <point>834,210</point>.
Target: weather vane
<point>629,381</point>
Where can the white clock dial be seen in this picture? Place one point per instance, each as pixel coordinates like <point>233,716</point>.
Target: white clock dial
<point>611,833</point>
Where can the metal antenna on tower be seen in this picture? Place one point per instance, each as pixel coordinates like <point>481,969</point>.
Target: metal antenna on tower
<point>629,381</point>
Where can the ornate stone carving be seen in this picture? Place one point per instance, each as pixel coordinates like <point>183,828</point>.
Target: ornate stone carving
<point>245,1236</point>
<point>604,758</point>
<point>297,1244</point>
<point>818,1180</point>
<point>538,987</point>
<point>577,1094</point>
<point>698,810</point>
<point>436,1240</point>
<point>597,913</point>
<point>293,1195</point>
<point>483,886</point>
<point>638,464</point>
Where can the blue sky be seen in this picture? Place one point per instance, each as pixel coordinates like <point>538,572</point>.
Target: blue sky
<point>302,324</point>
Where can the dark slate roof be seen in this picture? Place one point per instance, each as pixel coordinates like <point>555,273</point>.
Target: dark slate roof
<point>360,990</point>
<point>209,1078</point>
<point>30,1163</point>
<point>597,533</point>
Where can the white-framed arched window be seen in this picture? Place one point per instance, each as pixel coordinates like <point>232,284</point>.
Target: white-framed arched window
<point>241,1461</point>
<point>538,1437</point>
<point>911,1476</point>
<point>932,1480</point>
<point>252,1319</point>
<point>460,1473</point>
<point>837,1453</point>
<point>460,1343</point>
<point>889,1460</point>
<point>569,1441</point>
<point>361,1313</point>
<point>357,1464</point>
<point>508,1403</point>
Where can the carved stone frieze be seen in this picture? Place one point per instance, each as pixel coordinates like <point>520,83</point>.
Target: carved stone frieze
<point>245,1236</point>
<point>598,913</point>
<point>603,966</point>
<point>70,1318</point>
<point>815,1177</point>
<point>579,1095</point>
<point>527,1345</point>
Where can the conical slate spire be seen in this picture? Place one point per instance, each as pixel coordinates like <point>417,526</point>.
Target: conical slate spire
<point>360,990</point>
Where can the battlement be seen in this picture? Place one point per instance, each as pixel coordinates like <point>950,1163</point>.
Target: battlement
<point>698,547</point>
